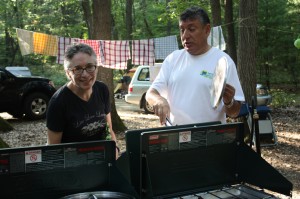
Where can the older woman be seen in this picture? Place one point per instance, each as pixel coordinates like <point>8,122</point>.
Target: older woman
<point>80,110</point>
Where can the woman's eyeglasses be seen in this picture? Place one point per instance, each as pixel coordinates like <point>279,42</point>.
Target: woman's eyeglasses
<point>78,70</point>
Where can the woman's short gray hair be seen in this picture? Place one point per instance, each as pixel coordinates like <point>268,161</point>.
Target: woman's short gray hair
<point>77,48</point>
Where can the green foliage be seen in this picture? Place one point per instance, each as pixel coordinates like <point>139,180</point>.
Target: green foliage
<point>4,125</point>
<point>54,72</point>
<point>3,144</point>
<point>54,17</point>
<point>282,99</point>
<point>178,6</point>
<point>278,22</point>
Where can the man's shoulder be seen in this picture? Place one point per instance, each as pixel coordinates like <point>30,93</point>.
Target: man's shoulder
<point>219,53</point>
<point>176,52</point>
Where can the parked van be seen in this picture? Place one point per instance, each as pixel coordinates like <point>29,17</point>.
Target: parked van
<point>140,83</point>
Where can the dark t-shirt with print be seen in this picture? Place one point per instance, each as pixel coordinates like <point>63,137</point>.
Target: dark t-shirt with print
<point>79,120</point>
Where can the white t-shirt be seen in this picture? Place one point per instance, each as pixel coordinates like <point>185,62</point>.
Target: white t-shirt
<point>185,81</point>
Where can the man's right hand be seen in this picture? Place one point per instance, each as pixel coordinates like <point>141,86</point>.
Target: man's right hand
<point>162,109</point>
<point>160,105</point>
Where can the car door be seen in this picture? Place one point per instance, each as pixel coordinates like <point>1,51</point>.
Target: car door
<point>8,91</point>
<point>143,81</point>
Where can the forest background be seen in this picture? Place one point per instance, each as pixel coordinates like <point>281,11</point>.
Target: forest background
<point>260,36</point>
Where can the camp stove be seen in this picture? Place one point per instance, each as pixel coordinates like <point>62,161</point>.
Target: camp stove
<point>70,170</point>
<point>205,161</point>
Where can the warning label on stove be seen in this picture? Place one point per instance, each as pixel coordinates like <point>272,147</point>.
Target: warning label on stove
<point>33,156</point>
<point>185,136</point>
<point>183,140</point>
<point>50,158</point>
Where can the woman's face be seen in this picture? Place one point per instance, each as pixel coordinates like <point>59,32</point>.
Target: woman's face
<point>82,79</point>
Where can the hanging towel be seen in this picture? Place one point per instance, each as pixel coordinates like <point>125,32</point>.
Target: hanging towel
<point>45,44</point>
<point>164,46</point>
<point>25,40</point>
<point>216,38</point>
<point>63,44</point>
<point>116,54</point>
<point>143,52</point>
<point>95,44</point>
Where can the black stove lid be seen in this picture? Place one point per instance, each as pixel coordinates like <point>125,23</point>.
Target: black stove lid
<point>188,159</point>
<point>133,148</point>
<point>54,171</point>
<point>195,159</point>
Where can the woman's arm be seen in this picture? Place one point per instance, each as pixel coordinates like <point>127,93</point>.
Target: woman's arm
<point>54,137</point>
<point>112,134</point>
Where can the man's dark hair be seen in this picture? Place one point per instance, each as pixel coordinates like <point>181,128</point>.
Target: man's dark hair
<point>193,13</point>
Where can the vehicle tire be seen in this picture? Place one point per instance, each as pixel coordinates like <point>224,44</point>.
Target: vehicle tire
<point>35,106</point>
<point>147,107</point>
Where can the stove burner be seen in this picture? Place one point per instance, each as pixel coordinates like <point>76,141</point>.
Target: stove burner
<point>98,195</point>
<point>231,192</point>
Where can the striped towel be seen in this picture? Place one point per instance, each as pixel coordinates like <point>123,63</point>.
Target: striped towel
<point>95,44</point>
<point>25,40</point>
<point>45,44</point>
<point>143,52</point>
<point>164,46</point>
<point>63,44</point>
<point>116,54</point>
<point>216,38</point>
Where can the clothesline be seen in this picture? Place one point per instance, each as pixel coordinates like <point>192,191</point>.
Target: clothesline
<point>110,53</point>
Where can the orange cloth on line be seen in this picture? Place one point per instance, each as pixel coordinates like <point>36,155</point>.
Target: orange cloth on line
<point>45,44</point>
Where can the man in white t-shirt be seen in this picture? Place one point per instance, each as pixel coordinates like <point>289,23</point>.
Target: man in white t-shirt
<point>181,91</point>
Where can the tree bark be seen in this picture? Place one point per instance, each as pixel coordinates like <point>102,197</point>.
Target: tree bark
<point>102,29</point>
<point>231,46</point>
<point>247,47</point>
<point>87,16</point>
<point>216,12</point>
<point>147,26</point>
<point>169,23</point>
<point>129,7</point>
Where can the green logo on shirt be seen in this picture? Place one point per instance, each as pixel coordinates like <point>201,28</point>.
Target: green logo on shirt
<point>206,74</point>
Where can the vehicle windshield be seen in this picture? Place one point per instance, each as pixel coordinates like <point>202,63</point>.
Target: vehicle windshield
<point>144,75</point>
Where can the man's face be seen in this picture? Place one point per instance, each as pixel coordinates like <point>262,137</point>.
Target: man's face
<point>194,36</point>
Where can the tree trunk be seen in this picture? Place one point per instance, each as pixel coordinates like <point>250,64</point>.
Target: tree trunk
<point>247,47</point>
<point>144,11</point>
<point>169,22</point>
<point>231,46</point>
<point>87,16</point>
<point>216,12</point>
<point>129,7</point>
<point>102,26</point>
